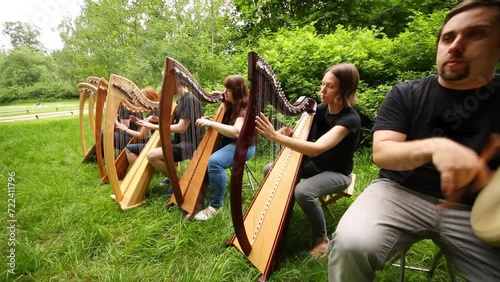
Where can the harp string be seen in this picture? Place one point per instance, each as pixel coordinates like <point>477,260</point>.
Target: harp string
<point>136,104</point>
<point>259,231</point>
<point>270,90</point>
<point>187,103</point>
<point>188,186</point>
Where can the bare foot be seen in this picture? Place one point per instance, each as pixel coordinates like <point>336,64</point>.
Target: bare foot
<point>320,247</point>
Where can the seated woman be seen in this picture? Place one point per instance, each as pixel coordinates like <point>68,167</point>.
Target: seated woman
<point>329,149</point>
<point>186,135</point>
<point>235,104</point>
<point>123,124</point>
<point>142,133</point>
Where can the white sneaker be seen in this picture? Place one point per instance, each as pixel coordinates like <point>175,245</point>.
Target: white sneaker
<point>206,214</point>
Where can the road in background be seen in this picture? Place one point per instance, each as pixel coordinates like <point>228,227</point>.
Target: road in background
<point>38,116</point>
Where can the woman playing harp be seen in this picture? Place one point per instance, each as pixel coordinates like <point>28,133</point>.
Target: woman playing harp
<point>143,132</point>
<point>186,135</point>
<point>124,93</point>
<point>329,148</point>
<point>235,104</point>
<point>187,190</point>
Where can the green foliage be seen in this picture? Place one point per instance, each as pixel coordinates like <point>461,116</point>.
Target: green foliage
<point>43,91</point>
<point>25,66</point>
<point>261,17</point>
<point>367,107</point>
<point>415,48</point>
<point>370,100</point>
<point>23,34</point>
<point>133,38</point>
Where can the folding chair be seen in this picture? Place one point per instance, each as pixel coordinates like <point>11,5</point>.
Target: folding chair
<point>402,257</point>
<point>251,178</point>
<point>328,199</point>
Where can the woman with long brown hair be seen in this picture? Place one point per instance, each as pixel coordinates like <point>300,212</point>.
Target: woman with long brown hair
<point>235,104</point>
<point>329,149</point>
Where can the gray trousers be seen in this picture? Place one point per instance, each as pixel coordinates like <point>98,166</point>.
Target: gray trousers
<point>387,217</point>
<point>316,184</point>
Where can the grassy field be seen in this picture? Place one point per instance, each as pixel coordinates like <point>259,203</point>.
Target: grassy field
<point>68,229</point>
<point>30,108</point>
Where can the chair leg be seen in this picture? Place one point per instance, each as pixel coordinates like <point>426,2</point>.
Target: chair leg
<point>251,177</point>
<point>451,271</point>
<point>435,262</point>
<point>430,271</point>
<point>402,268</point>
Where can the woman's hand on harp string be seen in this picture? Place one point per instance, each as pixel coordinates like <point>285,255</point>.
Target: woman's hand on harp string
<point>266,128</point>
<point>147,124</point>
<point>286,131</point>
<point>133,118</point>
<point>121,126</point>
<point>204,121</point>
<point>152,119</point>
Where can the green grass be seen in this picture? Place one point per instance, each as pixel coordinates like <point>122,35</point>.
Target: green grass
<point>29,108</point>
<point>68,228</point>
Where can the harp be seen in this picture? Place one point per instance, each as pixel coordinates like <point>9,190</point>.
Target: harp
<point>130,192</point>
<point>88,95</point>
<point>189,188</point>
<point>259,232</point>
<point>102,93</point>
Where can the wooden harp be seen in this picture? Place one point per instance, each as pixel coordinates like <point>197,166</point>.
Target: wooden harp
<point>102,93</point>
<point>88,95</point>
<point>260,231</point>
<point>130,192</point>
<point>187,189</point>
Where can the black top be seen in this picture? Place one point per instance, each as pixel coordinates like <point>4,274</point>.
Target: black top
<point>340,157</point>
<point>423,108</point>
<point>189,107</point>
<point>124,113</point>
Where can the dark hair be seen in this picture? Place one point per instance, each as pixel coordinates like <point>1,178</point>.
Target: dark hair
<point>237,85</point>
<point>348,76</point>
<point>468,5</point>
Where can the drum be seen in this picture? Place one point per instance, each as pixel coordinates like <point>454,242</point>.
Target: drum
<point>485,215</point>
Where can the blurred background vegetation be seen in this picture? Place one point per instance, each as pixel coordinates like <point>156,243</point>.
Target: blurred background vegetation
<point>389,41</point>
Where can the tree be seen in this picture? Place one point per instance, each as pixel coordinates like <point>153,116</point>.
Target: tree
<point>23,34</point>
<point>132,38</point>
<point>24,66</point>
<point>262,16</point>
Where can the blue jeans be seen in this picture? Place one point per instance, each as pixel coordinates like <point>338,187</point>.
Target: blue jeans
<point>217,177</point>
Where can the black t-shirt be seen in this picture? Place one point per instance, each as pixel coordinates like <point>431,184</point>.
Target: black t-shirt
<point>423,109</point>
<point>124,113</point>
<point>189,107</point>
<point>340,157</point>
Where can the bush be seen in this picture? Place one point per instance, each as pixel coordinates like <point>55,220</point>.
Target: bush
<point>43,91</point>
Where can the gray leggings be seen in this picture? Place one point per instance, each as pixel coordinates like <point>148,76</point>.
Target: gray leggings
<point>387,217</point>
<point>316,184</point>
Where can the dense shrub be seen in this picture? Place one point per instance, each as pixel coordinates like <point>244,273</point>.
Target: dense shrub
<point>46,91</point>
